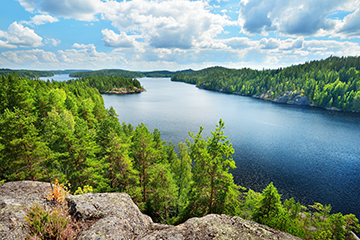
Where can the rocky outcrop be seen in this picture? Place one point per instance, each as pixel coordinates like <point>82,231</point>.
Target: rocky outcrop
<point>123,91</point>
<point>115,216</point>
<point>289,97</point>
<point>15,198</point>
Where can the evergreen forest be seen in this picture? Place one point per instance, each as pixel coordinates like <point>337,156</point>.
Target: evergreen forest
<point>126,73</point>
<point>333,83</point>
<point>61,130</point>
<point>108,83</point>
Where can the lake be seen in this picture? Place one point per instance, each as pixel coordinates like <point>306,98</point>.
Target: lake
<point>308,153</point>
<point>58,77</point>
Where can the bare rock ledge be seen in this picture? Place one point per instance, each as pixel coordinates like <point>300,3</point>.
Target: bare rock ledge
<point>119,218</point>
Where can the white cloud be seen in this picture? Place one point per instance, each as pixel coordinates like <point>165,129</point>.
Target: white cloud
<point>350,26</point>
<point>111,39</point>
<point>42,19</point>
<point>293,17</point>
<point>30,57</point>
<point>167,24</point>
<point>20,36</point>
<point>84,10</point>
<point>238,42</point>
<point>52,41</point>
<point>269,43</point>
<point>29,5</point>
<point>4,44</point>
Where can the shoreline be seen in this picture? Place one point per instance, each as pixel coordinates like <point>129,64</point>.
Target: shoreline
<point>295,99</point>
<point>122,91</point>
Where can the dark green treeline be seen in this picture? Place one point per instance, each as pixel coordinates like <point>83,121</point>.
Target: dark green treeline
<point>61,130</point>
<point>330,83</point>
<point>108,83</point>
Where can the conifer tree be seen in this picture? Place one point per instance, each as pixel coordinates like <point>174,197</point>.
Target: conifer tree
<point>269,210</point>
<point>212,189</point>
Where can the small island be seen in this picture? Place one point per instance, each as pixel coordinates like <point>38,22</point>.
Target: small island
<point>111,84</point>
<point>124,91</point>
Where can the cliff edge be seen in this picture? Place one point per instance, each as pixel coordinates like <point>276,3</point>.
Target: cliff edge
<point>115,216</point>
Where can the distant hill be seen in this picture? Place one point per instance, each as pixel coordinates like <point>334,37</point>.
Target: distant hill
<point>127,74</point>
<point>35,73</point>
<point>26,73</point>
<point>86,73</point>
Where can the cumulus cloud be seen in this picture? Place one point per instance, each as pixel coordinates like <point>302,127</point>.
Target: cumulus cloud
<point>167,24</point>
<point>269,43</point>
<point>20,36</point>
<point>30,57</point>
<point>291,17</point>
<point>42,19</point>
<point>350,26</point>
<point>111,39</point>
<point>238,42</point>
<point>29,5</point>
<point>52,41</point>
<point>84,10</point>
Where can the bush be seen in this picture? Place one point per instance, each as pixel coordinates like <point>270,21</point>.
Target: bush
<point>53,224</point>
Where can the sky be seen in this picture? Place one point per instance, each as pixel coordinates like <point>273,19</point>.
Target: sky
<point>144,35</point>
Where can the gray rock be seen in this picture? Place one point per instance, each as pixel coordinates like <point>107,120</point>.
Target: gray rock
<point>15,199</point>
<point>117,217</point>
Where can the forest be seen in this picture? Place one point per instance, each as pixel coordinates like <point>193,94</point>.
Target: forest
<point>332,83</point>
<point>61,130</point>
<point>126,74</point>
<point>34,74</point>
<point>25,73</point>
<point>107,84</point>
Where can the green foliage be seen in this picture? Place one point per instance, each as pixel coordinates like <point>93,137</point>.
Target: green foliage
<point>49,224</point>
<point>26,73</point>
<point>108,83</point>
<point>294,218</point>
<point>126,74</point>
<point>269,210</point>
<point>85,189</point>
<point>212,188</point>
<point>107,73</point>
<point>330,83</point>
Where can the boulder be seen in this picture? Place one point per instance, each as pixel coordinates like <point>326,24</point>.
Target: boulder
<point>116,216</point>
<point>15,199</point>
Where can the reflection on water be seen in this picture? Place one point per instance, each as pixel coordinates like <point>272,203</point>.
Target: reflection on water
<point>310,154</point>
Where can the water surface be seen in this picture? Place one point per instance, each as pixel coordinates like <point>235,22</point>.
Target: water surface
<point>310,154</point>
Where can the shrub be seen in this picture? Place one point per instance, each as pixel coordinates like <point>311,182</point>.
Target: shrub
<point>58,193</point>
<point>53,224</point>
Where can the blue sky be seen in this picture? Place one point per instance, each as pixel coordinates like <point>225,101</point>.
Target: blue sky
<point>175,34</point>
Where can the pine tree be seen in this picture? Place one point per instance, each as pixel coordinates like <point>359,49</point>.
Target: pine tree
<point>212,189</point>
<point>269,210</point>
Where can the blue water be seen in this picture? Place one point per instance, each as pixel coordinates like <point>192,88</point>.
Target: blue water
<point>57,77</point>
<point>310,154</point>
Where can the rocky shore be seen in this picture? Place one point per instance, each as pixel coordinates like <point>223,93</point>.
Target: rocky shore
<point>124,91</point>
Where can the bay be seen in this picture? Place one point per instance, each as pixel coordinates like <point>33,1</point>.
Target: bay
<point>308,153</point>
<point>57,77</point>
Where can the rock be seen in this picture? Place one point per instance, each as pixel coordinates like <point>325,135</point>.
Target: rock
<point>15,198</point>
<point>214,226</point>
<point>115,216</point>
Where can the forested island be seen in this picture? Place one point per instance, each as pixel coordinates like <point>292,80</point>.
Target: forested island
<point>60,130</point>
<point>111,84</point>
<point>333,83</point>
